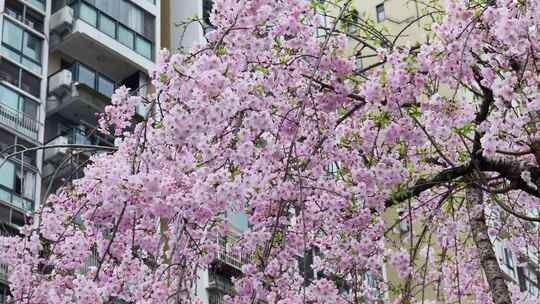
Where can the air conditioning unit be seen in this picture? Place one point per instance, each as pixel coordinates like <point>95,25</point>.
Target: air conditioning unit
<point>62,20</point>
<point>60,83</point>
<point>54,155</point>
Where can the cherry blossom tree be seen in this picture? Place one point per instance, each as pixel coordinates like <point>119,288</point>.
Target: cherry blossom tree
<point>272,118</point>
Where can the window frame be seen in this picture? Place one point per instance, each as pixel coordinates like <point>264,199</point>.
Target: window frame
<point>380,9</point>
<point>28,15</point>
<point>22,100</point>
<point>21,51</point>
<point>14,196</point>
<point>22,73</point>
<point>135,34</point>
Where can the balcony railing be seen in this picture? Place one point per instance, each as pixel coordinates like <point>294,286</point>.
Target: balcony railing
<point>220,283</point>
<point>4,272</point>
<point>15,200</point>
<point>73,136</point>
<point>77,136</point>
<point>215,298</point>
<point>231,255</point>
<point>19,121</point>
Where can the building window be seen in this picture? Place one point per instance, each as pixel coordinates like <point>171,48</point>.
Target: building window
<point>19,181</point>
<point>359,66</point>
<point>9,143</point>
<point>20,78</point>
<point>351,21</point>
<point>24,14</point>
<point>121,20</point>
<point>90,78</point>
<point>528,280</point>
<point>22,46</point>
<point>207,10</point>
<point>509,261</point>
<point>17,188</point>
<point>14,101</point>
<point>380,12</point>
<point>19,112</point>
<point>40,4</point>
<point>107,25</point>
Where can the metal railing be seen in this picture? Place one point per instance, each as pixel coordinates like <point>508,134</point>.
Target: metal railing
<point>19,121</point>
<point>229,254</point>
<point>4,272</point>
<point>215,298</point>
<point>91,261</point>
<point>220,283</point>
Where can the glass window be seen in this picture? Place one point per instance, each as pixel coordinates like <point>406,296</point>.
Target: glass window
<point>9,72</point>
<point>107,25</point>
<point>17,218</point>
<point>31,65</point>
<point>105,86</point>
<point>28,156</point>
<point>21,46</point>
<point>11,54</point>
<point>30,108</point>
<point>57,5</point>
<point>34,20</point>
<point>125,36</point>
<point>380,12</point>
<point>26,183</point>
<point>30,83</point>
<point>238,220</point>
<point>132,16</point>
<point>9,98</point>
<point>7,172</point>
<point>6,141</point>
<point>14,9</point>
<point>87,76</point>
<point>12,35</point>
<point>111,8</point>
<point>149,26</point>
<point>5,216</point>
<point>39,4</point>
<point>143,47</point>
<point>207,10</point>
<point>88,14</point>
<point>32,47</point>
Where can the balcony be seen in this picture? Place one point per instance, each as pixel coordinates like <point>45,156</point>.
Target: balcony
<point>77,92</point>
<point>72,136</point>
<point>19,122</point>
<point>88,34</point>
<point>229,258</point>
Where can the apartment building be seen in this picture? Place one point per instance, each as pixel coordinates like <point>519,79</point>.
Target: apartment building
<point>95,47</point>
<point>60,61</point>
<point>23,82</point>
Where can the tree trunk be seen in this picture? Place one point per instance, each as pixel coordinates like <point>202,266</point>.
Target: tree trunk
<point>494,276</point>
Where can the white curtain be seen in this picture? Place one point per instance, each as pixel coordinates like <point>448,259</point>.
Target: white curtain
<point>29,186</point>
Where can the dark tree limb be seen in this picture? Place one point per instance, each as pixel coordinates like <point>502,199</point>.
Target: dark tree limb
<point>422,184</point>
<point>494,275</point>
